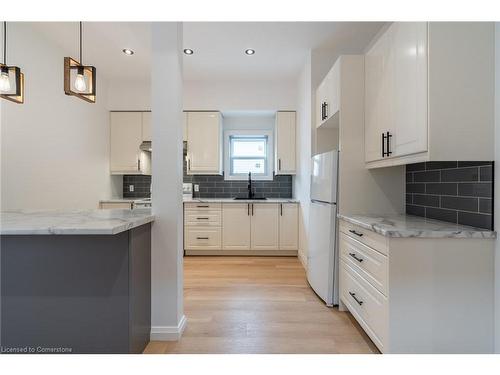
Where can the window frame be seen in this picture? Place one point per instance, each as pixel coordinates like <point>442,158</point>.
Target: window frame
<point>269,159</point>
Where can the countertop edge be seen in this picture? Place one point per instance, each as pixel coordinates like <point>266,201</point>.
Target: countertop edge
<point>61,230</point>
<point>231,200</point>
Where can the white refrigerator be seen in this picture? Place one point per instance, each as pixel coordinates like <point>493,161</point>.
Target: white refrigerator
<point>322,258</point>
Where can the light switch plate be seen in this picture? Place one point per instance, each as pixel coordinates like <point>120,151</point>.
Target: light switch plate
<point>131,188</point>
<point>196,187</point>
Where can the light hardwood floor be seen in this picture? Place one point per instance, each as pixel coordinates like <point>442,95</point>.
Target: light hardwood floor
<point>258,305</point>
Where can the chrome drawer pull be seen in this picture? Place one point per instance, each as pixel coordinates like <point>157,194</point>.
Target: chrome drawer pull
<point>202,218</point>
<point>355,257</point>
<point>202,206</point>
<point>353,295</point>
<point>202,238</point>
<point>356,233</point>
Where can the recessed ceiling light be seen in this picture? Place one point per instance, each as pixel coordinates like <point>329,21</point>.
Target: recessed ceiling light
<point>188,51</point>
<point>249,51</point>
<point>127,52</point>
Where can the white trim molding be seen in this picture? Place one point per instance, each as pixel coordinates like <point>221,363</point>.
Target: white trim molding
<point>168,333</point>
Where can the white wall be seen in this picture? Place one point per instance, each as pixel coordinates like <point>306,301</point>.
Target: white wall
<point>129,96</point>
<point>245,121</point>
<point>55,148</point>
<point>497,186</point>
<point>239,95</point>
<point>302,178</point>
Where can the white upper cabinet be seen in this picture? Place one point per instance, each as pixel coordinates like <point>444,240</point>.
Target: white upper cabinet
<point>289,223</point>
<point>428,92</point>
<point>285,143</point>
<point>328,98</point>
<point>147,135</point>
<point>204,142</point>
<point>409,41</point>
<point>396,93</point>
<point>377,100</point>
<point>264,226</point>
<point>125,140</point>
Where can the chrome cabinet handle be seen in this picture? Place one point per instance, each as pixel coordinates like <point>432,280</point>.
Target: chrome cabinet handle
<point>202,206</point>
<point>202,238</point>
<point>353,295</point>
<point>202,218</point>
<point>355,257</point>
<point>356,233</point>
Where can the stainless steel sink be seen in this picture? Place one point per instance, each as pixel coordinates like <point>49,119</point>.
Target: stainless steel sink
<point>249,199</point>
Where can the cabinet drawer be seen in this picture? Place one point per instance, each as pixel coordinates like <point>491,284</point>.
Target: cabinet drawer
<point>371,264</point>
<point>365,236</point>
<point>366,304</point>
<point>206,238</point>
<point>198,206</point>
<point>202,218</point>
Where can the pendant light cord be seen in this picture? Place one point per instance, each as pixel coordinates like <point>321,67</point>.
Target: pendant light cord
<point>81,62</point>
<point>5,43</point>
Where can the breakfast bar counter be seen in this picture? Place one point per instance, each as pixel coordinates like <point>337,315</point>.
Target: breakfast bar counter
<point>75,281</point>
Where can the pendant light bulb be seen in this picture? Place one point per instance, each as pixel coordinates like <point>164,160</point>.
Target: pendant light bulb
<point>4,80</point>
<point>80,84</point>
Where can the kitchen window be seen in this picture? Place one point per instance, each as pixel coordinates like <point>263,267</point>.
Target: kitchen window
<point>248,151</point>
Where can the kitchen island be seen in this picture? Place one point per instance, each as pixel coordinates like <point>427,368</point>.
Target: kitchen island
<point>75,281</point>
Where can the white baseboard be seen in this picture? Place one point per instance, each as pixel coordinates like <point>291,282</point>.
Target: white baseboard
<point>168,333</point>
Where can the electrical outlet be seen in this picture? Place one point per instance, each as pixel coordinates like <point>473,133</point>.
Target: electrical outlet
<point>131,188</point>
<point>196,187</point>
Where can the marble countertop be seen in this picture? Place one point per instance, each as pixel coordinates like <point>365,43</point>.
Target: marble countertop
<point>231,200</point>
<point>22,222</point>
<point>406,226</point>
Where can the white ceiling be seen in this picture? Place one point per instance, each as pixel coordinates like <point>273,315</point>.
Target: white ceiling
<point>103,43</point>
<point>281,47</point>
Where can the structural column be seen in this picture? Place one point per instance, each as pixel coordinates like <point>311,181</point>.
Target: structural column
<point>167,318</point>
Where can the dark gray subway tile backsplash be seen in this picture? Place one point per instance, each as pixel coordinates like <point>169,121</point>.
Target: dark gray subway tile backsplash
<point>454,191</point>
<point>214,186</point>
<point>142,186</point>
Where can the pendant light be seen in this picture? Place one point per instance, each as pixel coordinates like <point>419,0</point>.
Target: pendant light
<point>11,78</point>
<point>79,79</point>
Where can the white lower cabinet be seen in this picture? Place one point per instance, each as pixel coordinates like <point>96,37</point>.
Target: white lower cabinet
<point>236,229</point>
<point>418,295</point>
<point>366,304</point>
<point>264,226</point>
<point>289,222</point>
<point>244,227</point>
<point>202,226</point>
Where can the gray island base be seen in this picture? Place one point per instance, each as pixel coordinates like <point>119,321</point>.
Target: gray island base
<point>76,293</point>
